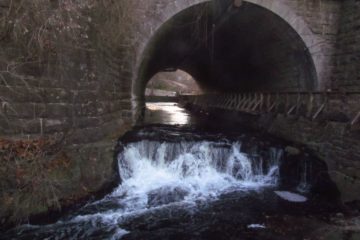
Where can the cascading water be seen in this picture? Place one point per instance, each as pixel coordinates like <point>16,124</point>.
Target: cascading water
<point>155,173</point>
<point>159,175</point>
<point>187,183</point>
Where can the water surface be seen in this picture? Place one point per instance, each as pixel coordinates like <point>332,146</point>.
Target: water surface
<point>184,182</point>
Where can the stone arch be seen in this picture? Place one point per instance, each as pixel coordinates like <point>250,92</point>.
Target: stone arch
<point>170,10</point>
<point>312,42</point>
<point>278,7</point>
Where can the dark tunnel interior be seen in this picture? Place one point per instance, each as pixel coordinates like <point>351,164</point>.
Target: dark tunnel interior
<point>243,49</point>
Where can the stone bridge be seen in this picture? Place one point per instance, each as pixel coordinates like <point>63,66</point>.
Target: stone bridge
<point>86,85</point>
<point>271,45</point>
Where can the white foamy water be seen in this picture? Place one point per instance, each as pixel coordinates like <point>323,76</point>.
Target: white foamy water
<point>159,174</point>
<point>256,226</point>
<point>156,175</point>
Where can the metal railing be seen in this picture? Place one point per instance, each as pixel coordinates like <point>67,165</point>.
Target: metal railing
<point>308,104</point>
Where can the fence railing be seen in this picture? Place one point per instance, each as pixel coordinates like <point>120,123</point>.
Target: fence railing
<point>307,104</point>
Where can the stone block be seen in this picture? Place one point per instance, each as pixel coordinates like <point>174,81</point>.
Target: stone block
<point>51,126</point>
<point>52,110</point>
<point>86,122</point>
<point>19,110</point>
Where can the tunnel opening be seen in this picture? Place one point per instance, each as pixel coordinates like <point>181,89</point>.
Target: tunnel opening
<point>245,48</point>
<point>162,95</point>
<point>171,84</point>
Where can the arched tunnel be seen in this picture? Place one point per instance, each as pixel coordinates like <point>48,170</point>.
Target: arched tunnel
<point>258,129</point>
<point>244,48</point>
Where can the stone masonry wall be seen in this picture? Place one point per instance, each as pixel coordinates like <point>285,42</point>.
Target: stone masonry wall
<point>335,142</point>
<point>347,75</point>
<point>74,87</point>
<point>322,17</point>
<point>82,87</point>
<point>78,90</point>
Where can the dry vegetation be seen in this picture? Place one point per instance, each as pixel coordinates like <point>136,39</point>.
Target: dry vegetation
<point>27,183</point>
<point>36,26</point>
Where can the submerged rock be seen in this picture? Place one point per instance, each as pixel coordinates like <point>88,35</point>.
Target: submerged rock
<point>166,195</point>
<point>291,197</point>
<point>292,150</point>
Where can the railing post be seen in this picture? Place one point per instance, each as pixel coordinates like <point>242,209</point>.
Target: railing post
<point>356,119</point>
<point>322,107</point>
<point>307,104</point>
<point>268,102</point>
<point>298,103</point>
<point>310,104</point>
<point>288,107</point>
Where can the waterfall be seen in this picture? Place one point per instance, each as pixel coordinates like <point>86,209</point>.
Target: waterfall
<point>165,176</point>
<point>179,180</point>
<point>155,173</point>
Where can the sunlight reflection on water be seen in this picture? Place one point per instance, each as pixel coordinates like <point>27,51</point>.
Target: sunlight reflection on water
<point>166,113</point>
